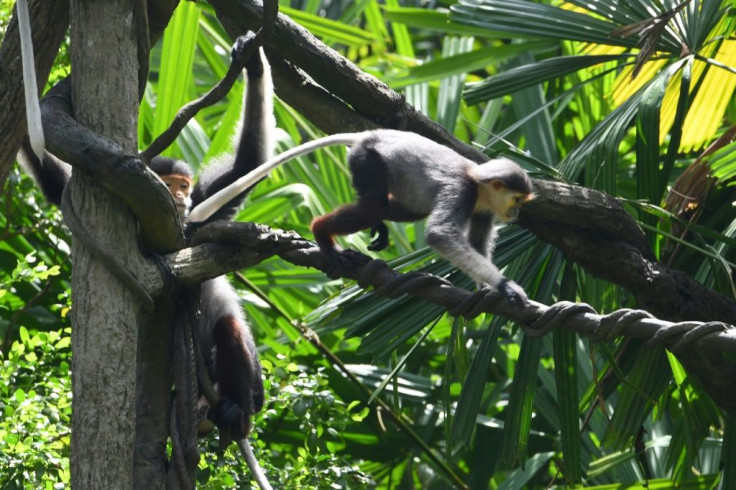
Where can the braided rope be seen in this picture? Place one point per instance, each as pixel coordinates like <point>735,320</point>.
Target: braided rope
<point>536,319</point>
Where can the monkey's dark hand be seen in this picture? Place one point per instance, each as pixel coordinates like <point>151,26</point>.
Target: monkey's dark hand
<point>515,293</point>
<point>253,64</point>
<point>381,240</point>
<point>228,416</point>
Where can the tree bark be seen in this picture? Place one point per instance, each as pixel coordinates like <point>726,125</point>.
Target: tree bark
<point>49,21</point>
<point>105,315</point>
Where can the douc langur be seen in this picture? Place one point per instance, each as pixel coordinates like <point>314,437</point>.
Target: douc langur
<point>402,176</point>
<point>224,336</point>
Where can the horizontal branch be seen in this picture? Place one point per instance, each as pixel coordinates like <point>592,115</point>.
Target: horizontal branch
<point>241,245</point>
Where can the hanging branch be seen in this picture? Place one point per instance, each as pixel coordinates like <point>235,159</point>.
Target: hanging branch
<point>216,93</point>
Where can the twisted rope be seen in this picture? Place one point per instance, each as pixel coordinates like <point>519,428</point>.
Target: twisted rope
<point>536,319</point>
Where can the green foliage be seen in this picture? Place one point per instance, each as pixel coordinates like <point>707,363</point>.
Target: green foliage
<point>35,400</point>
<point>300,436</point>
<point>35,396</point>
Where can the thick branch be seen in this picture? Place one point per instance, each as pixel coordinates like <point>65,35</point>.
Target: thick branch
<point>369,98</point>
<point>325,111</point>
<point>595,231</point>
<point>224,246</point>
<point>587,225</point>
<point>120,172</point>
<point>49,22</point>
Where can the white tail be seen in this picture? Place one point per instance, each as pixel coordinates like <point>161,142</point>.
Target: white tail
<point>209,206</point>
<point>258,475</point>
<point>33,108</point>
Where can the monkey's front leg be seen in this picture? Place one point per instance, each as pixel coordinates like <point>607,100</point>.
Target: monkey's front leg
<point>481,236</point>
<point>445,235</point>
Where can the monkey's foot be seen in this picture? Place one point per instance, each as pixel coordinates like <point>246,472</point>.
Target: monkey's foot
<point>381,241</point>
<point>240,46</point>
<point>515,293</point>
<point>229,418</point>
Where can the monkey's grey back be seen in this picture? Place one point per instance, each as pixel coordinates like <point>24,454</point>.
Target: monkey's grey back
<point>418,168</point>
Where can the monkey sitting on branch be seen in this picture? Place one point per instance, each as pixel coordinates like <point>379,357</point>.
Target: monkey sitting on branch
<point>402,176</point>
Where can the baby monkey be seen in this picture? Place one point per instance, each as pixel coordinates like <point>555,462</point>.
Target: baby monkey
<point>402,176</point>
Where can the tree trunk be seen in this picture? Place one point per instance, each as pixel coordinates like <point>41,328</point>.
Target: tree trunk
<point>105,315</point>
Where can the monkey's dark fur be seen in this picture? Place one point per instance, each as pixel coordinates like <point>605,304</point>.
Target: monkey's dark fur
<point>402,176</point>
<point>225,338</point>
<point>169,166</point>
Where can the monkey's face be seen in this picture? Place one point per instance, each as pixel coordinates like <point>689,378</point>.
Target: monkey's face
<point>180,187</point>
<point>503,202</point>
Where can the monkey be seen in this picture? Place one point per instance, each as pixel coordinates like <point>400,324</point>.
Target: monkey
<point>178,178</point>
<point>225,338</point>
<point>403,176</point>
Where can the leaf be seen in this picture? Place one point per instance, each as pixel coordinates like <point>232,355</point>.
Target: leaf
<point>466,413</point>
<point>176,67</point>
<point>333,30</point>
<point>531,74</point>
<point>723,164</point>
<point>521,403</point>
<point>433,20</point>
<point>463,62</point>
<point>533,20</point>
<point>649,32</point>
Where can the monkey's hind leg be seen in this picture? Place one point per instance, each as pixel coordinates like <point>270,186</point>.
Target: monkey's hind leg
<point>345,220</point>
<point>238,375</point>
<point>393,211</point>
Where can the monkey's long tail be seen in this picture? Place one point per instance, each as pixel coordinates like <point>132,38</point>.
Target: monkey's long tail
<point>33,108</point>
<point>252,463</point>
<point>209,206</point>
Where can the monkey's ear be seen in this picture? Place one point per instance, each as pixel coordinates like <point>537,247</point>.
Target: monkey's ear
<point>497,184</point>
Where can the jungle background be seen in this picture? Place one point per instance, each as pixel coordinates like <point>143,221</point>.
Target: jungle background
<point>648,118</point>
